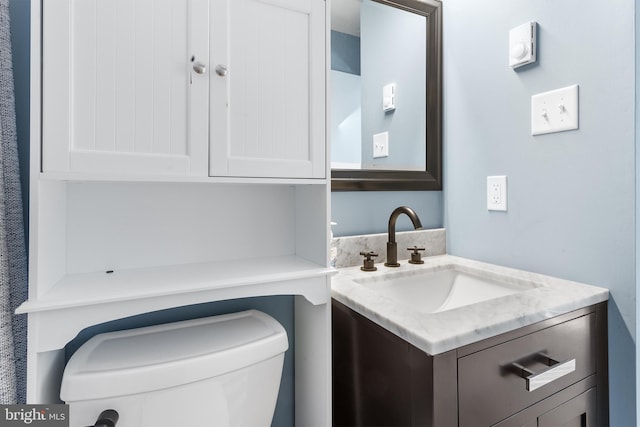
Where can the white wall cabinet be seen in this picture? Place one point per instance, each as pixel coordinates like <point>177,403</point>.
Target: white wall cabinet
<point>156,183</point>
<point>221,88</point>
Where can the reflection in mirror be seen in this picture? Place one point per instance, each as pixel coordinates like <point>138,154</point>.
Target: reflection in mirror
<point>380,48</point>
<point>386,95</point>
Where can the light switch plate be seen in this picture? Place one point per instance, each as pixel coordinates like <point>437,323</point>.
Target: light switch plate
<point>554,111</point>
<point>381,145</point>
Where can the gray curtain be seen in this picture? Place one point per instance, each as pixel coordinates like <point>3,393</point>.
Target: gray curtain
<point>13,260</point>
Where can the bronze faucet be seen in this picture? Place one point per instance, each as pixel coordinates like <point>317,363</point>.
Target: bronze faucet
<point>392,246</point>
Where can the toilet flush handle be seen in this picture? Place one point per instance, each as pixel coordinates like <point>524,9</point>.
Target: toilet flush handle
<point>107,418</point>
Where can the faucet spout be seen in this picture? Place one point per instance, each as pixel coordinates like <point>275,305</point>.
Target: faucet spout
<point>392,246</point>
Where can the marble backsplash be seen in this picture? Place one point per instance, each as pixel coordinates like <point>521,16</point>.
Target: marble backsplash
<point>348,248</point>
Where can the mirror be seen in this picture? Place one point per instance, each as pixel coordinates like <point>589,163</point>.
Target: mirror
<point>386,95</point>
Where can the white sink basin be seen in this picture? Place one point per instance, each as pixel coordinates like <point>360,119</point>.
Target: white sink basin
<point>429,291</point>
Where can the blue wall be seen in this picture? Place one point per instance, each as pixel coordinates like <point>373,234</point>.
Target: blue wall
<point>571,195</point>
<point>364,212</point>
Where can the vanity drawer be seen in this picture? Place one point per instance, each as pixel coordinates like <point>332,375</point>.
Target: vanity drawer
<point>491,383</point>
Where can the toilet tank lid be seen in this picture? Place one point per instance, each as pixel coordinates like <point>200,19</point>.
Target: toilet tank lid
<point>161,356</point>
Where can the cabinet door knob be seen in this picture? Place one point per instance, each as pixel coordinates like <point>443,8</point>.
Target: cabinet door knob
<point>221,70</point>
<point>199,67</point>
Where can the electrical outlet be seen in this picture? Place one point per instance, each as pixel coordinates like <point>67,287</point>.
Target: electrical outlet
<point>497,193</point>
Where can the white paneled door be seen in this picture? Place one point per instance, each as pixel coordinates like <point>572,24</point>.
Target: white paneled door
<point>120,93</point>
<point>267,90</point>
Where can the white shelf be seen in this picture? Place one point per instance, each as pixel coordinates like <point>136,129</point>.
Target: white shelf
<point>100,288</point>
<point>81,300</point>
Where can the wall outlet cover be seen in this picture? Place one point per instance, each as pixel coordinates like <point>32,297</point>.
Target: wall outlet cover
<point>497,193</point>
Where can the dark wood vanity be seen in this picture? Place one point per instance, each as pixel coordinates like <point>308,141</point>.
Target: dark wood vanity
<point>381,380</point>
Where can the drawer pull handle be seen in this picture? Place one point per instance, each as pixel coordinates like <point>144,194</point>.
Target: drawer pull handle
<point>556,370</point>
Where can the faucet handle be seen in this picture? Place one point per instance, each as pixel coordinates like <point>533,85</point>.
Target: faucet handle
<point>368,261</point>
<point>369,254</point>
<point>416,256</point>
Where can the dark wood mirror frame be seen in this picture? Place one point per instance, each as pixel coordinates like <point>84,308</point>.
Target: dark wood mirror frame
<point>431,177</point>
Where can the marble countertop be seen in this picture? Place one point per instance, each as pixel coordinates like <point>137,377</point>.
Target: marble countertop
<point>436,333</point>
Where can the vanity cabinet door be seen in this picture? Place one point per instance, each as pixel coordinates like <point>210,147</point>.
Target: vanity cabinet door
<point>120,94</point>
<point>562,410</point>
<point>267,88</point>
<point>577,412</point>
<point>380,380</point>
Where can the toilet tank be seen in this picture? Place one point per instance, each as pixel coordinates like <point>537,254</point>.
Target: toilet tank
<point>218,371</point>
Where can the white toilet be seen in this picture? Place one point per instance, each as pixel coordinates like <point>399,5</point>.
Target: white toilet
<point>218,371</point>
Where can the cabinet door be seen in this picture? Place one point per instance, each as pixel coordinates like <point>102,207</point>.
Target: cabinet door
<point>576,406</point>
<point>268,99</point>
<point>577,412</point>
<point>120,94</point>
